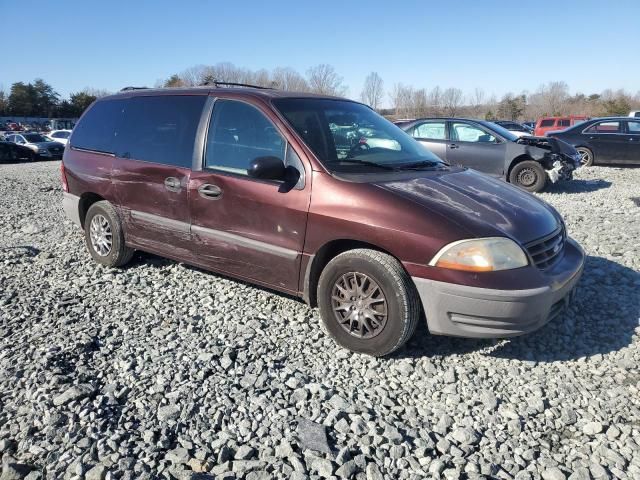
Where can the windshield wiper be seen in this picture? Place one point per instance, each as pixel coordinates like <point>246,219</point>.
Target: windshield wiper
<point>420,165</point>
<point>365,162</point>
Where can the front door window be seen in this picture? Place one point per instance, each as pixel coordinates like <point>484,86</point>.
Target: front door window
<point>238,134</point>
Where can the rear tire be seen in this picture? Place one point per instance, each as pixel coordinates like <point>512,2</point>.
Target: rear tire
<point>586,156</point>
<point>367,302</point>
<point>528,175</point>
<point>104,236</point>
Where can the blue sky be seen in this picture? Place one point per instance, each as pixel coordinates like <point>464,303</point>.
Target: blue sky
<point>499,46</point>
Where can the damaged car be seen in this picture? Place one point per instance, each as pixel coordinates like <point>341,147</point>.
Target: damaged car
<point>528,162</point>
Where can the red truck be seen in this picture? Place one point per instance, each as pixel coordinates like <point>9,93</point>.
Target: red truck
<point>548,124</point>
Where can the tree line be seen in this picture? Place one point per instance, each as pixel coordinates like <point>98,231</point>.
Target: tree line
<point>39,99</point>
<point>550,99</point>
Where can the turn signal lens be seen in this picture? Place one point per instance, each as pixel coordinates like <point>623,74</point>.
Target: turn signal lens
<point>481,255</point>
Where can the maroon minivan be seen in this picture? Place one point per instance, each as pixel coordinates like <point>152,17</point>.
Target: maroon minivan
<point>322,198</point>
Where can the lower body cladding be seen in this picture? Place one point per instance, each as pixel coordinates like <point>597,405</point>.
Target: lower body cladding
<point>464,311</point>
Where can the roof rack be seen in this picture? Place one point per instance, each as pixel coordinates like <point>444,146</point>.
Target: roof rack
<point>234,84</point>
<point>133,88</point>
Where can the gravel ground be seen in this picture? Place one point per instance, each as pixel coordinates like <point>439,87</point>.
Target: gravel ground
<point>161,370</point>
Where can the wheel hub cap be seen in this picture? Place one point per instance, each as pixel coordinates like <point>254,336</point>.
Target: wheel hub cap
<point>527,177</point>
<point>359,305</point>
<point>100,235</point>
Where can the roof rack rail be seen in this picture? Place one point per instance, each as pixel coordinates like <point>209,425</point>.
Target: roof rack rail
<point>132,88</point>
<point>234,84</point>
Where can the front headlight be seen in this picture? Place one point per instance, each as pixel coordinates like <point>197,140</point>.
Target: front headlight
<point>481,255</point>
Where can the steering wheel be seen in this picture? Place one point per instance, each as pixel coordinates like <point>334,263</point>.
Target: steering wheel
<point>359,147</point>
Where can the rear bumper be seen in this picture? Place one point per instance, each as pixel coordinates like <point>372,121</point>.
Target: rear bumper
<point>463,311</point>
<point>71,207</point>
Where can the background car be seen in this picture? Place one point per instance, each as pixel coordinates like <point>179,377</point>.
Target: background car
<point>61,136</point>
<point>635,113</point>
<point>11,152</point>
<point>551,124</point>
<point>39,144</point>
<point>518,129</point>
<point>489,148</point>
<point>605,140</point>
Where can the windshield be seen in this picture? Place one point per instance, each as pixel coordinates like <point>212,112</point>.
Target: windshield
<point>350,137</point>
<point>35,138</point>
<point>503,132</point>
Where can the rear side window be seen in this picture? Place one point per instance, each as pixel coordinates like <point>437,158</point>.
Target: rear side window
<point>431,130</point>
<point>238,134</point>
<point>96,130</point>
<point>634,127</point>
<point>160,129</point>
<point>604,127</point>
<point>564,122</point>
<point>547,123</point>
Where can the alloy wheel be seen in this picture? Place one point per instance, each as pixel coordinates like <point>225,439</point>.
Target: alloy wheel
<point>585,157</point>
<point>101,235</point>
<point>359,305</point>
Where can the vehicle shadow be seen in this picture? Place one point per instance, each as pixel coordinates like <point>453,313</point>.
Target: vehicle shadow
<point>577,186</point>
<point>603,319</point>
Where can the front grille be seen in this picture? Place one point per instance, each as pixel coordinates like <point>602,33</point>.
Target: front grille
<point>55,150</point>
<point>546,251</point>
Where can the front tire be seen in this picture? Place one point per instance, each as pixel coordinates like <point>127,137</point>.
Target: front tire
<point>367,302</point>
<point>586,156</point>
<point>104,236</point>
<point>529,176</point>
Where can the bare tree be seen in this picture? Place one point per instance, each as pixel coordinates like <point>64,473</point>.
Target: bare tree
<point>402,98</point>
<point>323,79</point>
<point>452,101</point>
<point>372,91</point>
<point>193,76</point>
<point>434,101</point>
<point>286,78</point>
<point>552,97</point>
<point>476,102</point>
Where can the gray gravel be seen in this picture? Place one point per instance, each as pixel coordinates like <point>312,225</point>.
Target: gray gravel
<point>161,370</point>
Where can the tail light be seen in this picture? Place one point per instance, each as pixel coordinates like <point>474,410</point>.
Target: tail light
<point>63,177</point>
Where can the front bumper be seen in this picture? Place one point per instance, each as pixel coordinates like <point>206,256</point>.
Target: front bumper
<point>464,311</point>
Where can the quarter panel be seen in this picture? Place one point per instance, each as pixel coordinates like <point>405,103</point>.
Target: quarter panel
<point>89,172</point>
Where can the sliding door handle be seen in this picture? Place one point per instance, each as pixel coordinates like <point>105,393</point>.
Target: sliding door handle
<point>209,191</point>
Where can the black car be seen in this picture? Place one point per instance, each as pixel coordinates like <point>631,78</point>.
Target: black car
<point>12,153</point>
<point>613,140</point>
<point>528,162</point>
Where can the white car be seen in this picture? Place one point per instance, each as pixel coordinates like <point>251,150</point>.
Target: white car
<point>61,136</point>
<point>635,113</point>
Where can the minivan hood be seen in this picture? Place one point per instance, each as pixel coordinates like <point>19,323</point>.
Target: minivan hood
<point>480,204</point>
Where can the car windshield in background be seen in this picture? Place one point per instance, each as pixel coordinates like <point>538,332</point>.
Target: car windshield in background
<point>34,138</point>
<point>503,132</point>
<point>350,137</point>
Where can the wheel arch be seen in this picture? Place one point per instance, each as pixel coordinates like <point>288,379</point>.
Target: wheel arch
<point>323,256</point>
<point>519,159</point>
<point>86,200</point>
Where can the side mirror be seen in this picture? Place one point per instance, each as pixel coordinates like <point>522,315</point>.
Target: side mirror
<point>267,168</point>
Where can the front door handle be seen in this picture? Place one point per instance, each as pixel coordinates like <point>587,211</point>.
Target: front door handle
<point>172,184</point>
<point>453,145</point>
<point>211,192</point>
